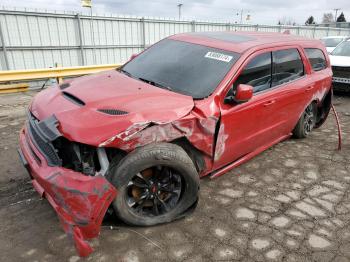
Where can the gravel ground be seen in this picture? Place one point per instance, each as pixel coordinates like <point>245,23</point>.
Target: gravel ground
<point>291,203</point>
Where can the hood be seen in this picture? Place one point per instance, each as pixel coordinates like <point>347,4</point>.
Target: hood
<point>79,107</point>
<point>340,60</point>
<point>330,49</point>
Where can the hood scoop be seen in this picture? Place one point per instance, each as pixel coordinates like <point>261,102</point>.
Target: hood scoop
<point>64,86</point>
<point>73,98</point>
<point>113,112</point>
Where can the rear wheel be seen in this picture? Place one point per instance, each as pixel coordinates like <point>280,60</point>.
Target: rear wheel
<point>306,122</point>
<point>156,184</point>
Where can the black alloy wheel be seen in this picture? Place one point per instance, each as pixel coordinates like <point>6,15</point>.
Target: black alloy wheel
<point>309,119</point>
<point>156,184</point>
<point>154,191</point>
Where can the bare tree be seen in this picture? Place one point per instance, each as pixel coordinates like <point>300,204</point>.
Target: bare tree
<point>327,18</point>
<point>286,21</point>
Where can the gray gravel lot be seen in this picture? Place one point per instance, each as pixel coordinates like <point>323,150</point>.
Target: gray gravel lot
<point>291,203</point>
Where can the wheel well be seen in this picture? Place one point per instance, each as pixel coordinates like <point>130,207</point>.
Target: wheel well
<point>116,155</point>
<point>195,155</point>
<point>323,108</point>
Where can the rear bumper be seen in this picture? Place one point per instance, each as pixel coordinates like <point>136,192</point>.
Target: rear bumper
<point>80,201</point>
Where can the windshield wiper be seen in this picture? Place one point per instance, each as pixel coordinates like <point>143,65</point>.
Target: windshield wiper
<point>144,80</point>
<point>125,73</point>
<point>155,83</point>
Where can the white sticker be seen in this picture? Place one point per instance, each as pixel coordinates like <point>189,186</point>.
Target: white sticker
<point>219,56</point>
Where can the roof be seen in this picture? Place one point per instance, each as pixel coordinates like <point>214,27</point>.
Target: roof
<point>238,41</point>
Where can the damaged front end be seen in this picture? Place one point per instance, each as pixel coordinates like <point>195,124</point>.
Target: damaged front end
<point>72,136</point>
<point>65,174</point>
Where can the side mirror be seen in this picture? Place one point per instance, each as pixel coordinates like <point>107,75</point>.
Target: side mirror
<point>243,94</point>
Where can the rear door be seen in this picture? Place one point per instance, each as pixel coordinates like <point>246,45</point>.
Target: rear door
<point>290,89</point>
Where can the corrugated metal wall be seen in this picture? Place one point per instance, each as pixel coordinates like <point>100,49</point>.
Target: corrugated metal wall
<point>42,39</point>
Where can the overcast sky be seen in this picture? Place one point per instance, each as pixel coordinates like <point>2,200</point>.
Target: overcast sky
<point>262,12</point>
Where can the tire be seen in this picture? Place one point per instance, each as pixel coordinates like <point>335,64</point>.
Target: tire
<point>306,122</point>
<point>165,162</point>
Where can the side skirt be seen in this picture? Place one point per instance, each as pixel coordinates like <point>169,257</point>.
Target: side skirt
<point>247,157</point>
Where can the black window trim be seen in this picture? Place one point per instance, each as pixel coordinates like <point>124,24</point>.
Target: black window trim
<point>281,85</point>
<point>271,67</point>
<point>256,54</point>
<point>292,81</point>
<point>249,59</point>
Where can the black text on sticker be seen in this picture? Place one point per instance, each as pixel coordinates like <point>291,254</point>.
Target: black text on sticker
<point>218,56</point>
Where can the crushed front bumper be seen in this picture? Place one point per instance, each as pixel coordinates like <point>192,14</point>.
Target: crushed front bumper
<point>80,201</point>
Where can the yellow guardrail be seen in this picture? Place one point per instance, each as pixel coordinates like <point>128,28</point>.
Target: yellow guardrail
<point>14,88</point>
<point>56,72</point>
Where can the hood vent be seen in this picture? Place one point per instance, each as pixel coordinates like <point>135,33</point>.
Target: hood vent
<point>64,86</point>
<point>73,98</point>
<point>113,112</point>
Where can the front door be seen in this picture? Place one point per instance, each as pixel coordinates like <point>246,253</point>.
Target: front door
<point>278,80</point>
<point>245,127</point>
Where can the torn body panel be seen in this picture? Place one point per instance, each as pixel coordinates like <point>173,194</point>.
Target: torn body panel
<point>324,107</point>
<point>80,201</point>
<point>220,142</point>
<point>200,132</point>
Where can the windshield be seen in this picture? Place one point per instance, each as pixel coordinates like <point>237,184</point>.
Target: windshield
<point>331,42</point>
<point>182,67</point>
<point>343,49</point>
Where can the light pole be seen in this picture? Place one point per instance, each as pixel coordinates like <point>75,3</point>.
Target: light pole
<point>88,4</point>
<point>240,14</point>
<point>179,6</point>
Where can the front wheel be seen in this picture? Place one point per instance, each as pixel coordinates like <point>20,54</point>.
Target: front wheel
<point>156,184</point>
<point>306,122</point>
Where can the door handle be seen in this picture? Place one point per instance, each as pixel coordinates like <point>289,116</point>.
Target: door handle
<point>271,102</point>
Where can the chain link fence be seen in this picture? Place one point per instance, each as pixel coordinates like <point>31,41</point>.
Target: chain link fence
<point>32,39</point>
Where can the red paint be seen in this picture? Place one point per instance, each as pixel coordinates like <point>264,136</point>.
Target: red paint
<point>246,158</point>
<point>225,134</point>
<point>80,201</point>
<point>244,93</point>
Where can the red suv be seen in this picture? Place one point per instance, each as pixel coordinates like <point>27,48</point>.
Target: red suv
<point>191,105</point>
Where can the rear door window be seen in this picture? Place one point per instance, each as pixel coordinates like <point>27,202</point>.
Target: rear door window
<point>287,66</point>
<point>316,58</point>
<point>257,73</point>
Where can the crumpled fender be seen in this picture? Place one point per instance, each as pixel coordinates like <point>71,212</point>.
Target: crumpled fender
<point>80,205</point>
<point>199,127</point>
<point>80,201</point>
<point>199,131</point>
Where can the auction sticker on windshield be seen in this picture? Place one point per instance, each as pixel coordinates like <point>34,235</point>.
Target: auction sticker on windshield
<point>219,56</point>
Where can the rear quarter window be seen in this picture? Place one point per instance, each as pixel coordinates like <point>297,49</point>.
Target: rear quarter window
<point>317,59</point>
<point>287,66</point>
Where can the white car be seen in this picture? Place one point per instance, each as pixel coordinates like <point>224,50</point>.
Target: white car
<point>340,61</point>
<point>332,41</point>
